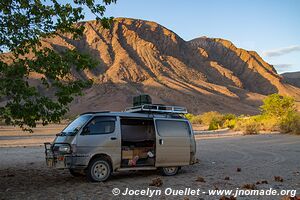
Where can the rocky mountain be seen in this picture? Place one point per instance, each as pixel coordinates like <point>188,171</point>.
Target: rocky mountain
<point>292,78</point>
<point>138,56</point>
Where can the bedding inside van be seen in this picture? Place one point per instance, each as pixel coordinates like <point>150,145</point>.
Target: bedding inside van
<point>138,142</point>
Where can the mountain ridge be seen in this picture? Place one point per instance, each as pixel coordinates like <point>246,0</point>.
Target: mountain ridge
<point>138,56</point>
<point>292,78</point>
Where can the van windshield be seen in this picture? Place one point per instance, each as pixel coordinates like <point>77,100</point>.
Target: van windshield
<point>75,125</point>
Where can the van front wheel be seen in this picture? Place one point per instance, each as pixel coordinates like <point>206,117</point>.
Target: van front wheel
<point>169,171</point>
<point>98,170</point>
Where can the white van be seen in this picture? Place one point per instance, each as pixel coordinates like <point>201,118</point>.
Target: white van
<point>146,137</point>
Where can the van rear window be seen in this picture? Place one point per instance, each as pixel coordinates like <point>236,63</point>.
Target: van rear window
<point>170,128</point>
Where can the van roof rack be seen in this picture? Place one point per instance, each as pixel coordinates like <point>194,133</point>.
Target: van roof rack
<point>157,109</point>
<point>95,112</point>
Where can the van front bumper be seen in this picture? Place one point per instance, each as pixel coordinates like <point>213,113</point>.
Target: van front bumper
<point>58,160</point>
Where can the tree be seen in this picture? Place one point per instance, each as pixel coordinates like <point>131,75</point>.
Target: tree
<point>278,106</point>
<point>22,24</point>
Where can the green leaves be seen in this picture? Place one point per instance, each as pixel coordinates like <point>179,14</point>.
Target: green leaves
<point>25,104</point>
<point>23,22</point>
<point>278,106</point>
<point>45,98</point>
<point>283,109</point>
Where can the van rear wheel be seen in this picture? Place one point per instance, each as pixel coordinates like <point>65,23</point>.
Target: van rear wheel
<point>99,170</point>
<point>169,171</point>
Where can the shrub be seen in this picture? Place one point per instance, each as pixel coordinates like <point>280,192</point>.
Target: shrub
<point>213,119</point>
<point>189,116</point>
<point>207,117</point>
<point>248,125</point>
<point>230,123</point>
<point>251,127</point>
<point>229,116</point>
<point>214,124</point>
<point>268,123</point>
<point>194,119</point>
<point>221,121</point>
<point>276,105</point>
<point>280,111</point>
<point>291,123</point>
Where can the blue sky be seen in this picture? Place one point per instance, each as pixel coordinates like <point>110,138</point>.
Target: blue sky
<point>270,27</point>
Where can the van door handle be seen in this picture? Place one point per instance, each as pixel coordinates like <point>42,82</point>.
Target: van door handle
<point>113,138</point>
<point>161,142</point>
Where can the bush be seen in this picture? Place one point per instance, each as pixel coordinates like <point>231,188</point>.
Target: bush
<point>207,117</point>
<point>230,123</point>
<point>276,105</point>
<point>249,126</point>
<point>252,127</point>
<point>268,123</point>
<point>194,119</point>
<point>189,116</point>
<point>213,119</point>
<point>278,113</point>
<point>223,121</point>
<point>214,124</point>
<point>229,116</point>
<point>291,123</point>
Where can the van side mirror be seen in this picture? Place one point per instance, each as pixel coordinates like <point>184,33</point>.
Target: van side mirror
<point>85,130</point>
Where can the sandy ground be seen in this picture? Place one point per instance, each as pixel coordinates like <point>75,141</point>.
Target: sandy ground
<point>23,174</point>
<point>14,136</point>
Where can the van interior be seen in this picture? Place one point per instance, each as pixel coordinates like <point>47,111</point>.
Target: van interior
<point>138,142</point>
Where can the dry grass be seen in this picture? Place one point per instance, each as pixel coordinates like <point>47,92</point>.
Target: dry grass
<point>200,179</point>
<point>291,198</point>
<point>228,198</point>
<point>262,182</point>
<point>249,186</point>
<point>278,178</point>
<point>157,182</point>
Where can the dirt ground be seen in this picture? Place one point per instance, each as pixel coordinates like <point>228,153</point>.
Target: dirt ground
<point>23,174</point>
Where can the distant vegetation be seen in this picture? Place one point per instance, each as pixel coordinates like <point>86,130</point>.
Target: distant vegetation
<point>278,113</point>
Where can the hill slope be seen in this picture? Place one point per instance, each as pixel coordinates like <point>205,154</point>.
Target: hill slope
<point>138,56</point>
<point>292,78</point>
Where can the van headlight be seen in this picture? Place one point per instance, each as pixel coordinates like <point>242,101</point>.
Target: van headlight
<point>64,149</point>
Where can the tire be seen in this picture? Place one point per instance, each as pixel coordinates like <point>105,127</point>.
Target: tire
<point>169,171</point>
<point>75,172</point>
<point>99,170</point>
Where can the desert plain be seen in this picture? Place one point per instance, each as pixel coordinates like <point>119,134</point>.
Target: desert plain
<point>24,174</point>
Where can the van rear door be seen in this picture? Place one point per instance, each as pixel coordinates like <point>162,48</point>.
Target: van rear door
<point>172,142</point>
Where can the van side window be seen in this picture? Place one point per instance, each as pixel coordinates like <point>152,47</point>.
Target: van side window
<point>100,125</point>
<point>172,128</point>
